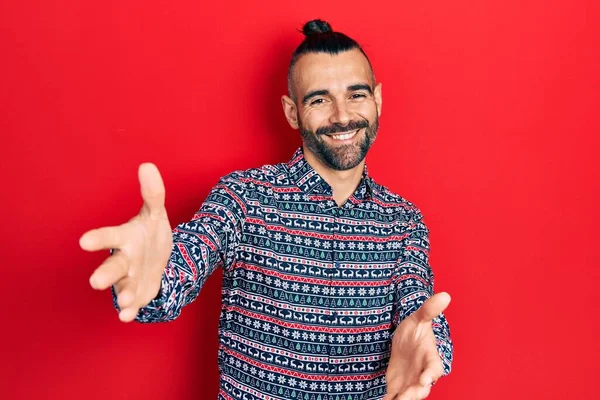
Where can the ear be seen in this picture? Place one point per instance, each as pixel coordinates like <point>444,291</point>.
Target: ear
<point>377,95</point>
<point>290,111</point>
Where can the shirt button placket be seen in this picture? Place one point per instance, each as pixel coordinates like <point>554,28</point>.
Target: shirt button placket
<point>334,274</point>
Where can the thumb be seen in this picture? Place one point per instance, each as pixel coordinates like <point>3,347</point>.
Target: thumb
<point>152,188</point>
<point>433,306</point>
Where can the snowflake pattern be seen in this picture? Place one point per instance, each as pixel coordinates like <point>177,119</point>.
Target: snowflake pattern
<point>312,292</point>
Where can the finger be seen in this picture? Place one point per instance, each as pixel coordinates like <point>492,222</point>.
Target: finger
<point>433,307</point>
<point>433,370</point>
<point>394,386</point>
<point>152,188</point>
<point>110,237</point>
<point>421,392</point>
<point>113,269</point>
<point>125,289</point>
<point>128,314</point>
<point>430,376</point>
<point>411,393</point>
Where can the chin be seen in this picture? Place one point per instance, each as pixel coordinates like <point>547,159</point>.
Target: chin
<point>343,159</point>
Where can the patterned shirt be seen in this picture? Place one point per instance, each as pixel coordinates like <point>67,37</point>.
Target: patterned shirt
<point>312,291</point>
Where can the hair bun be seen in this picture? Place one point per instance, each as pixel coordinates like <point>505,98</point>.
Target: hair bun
<point>316,26</point>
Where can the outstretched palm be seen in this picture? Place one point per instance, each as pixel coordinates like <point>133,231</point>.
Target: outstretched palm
<point>141,248</point>
<point>414,362</point>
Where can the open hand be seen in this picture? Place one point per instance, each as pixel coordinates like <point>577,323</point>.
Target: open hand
<point>141,247</point>
<point>415,364</point>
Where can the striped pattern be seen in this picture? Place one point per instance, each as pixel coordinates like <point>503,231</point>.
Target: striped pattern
<point>312,292</point>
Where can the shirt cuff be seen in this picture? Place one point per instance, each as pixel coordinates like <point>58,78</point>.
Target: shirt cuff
<point>155,311</point>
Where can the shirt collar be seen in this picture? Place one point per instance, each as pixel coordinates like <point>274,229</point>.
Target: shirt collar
<point>310,182</point>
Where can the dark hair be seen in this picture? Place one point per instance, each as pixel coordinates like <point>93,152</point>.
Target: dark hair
<point>320,38</point>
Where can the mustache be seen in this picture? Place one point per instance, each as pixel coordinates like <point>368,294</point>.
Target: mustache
<point>337,128</point>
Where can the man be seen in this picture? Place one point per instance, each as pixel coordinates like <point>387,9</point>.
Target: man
<point>327,290</point>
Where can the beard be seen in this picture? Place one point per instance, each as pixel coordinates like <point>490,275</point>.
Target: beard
<point>341,157</point>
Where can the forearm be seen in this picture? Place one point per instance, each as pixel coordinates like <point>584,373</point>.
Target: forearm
<point>193,259</point>
<point>413,284</point>
<point>200,246</point>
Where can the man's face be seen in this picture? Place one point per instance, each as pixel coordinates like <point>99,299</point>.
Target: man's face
<point>337,107</point>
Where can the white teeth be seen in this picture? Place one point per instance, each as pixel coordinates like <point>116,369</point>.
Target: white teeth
<point>344,136</point>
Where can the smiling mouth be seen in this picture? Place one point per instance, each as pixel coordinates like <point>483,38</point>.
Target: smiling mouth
<point>344,136</point>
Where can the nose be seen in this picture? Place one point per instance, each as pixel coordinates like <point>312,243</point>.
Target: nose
<point>340,114</point>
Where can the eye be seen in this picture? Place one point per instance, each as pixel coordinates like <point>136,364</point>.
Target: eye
<point>317,102</point>
<point>358,96</point>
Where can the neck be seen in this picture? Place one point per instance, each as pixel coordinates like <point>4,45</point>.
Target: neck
<point>343,183</point>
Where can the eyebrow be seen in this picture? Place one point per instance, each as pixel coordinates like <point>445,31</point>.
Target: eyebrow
<point>314,93</point>
<point>360,86</point>
<point>322,92</point>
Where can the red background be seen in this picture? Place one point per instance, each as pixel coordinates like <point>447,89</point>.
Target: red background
<point>490,125</point>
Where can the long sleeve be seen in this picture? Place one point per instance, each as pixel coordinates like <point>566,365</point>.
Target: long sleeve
<point>200,246</point>
<point>413,283</point>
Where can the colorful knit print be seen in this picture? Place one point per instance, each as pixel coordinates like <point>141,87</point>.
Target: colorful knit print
<point>312,292</point>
